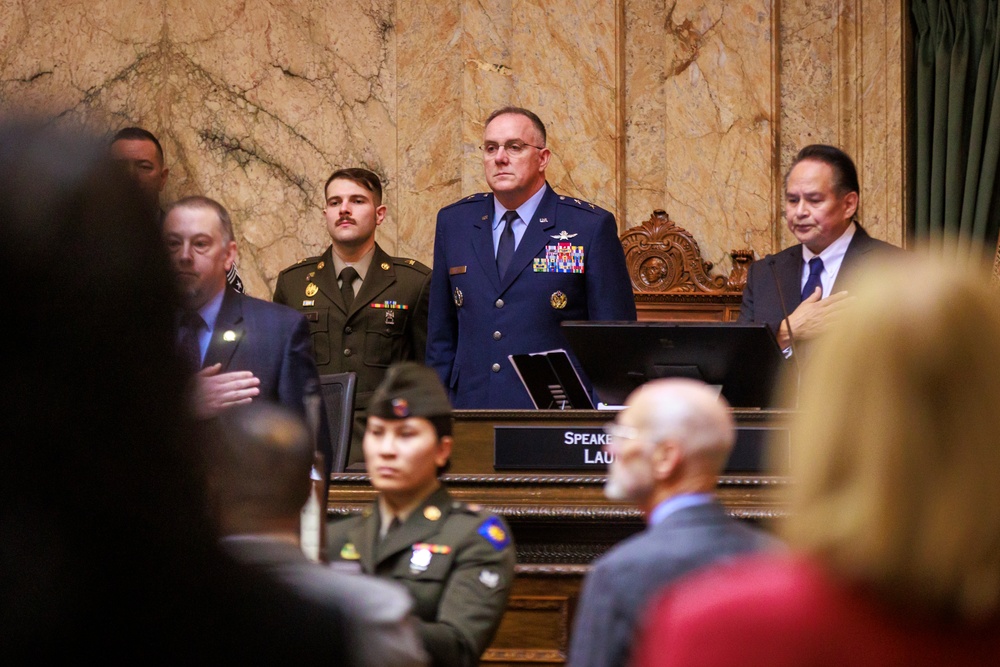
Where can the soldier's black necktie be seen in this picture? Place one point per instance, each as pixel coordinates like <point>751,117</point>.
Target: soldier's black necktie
<point>813,281</point>
<point>187,339</point>
<point>347,277</point>
<point>393,525</point>
<point>505,249</point>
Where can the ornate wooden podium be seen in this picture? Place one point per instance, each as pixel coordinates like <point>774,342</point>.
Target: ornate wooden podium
<point>560,519</point>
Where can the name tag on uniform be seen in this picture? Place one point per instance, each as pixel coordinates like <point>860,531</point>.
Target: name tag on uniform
<point>456,270</point>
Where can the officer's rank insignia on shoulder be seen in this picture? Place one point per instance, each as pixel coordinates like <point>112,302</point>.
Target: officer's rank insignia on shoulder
<point>349,552</point>
<point>465,200</point>
<point>577,203</point>
<point>494,533</point>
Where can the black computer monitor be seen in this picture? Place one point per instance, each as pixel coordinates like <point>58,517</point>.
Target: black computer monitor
<point>743,360</point>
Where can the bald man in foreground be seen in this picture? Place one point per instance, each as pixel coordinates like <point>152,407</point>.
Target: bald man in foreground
<point>670,444</point>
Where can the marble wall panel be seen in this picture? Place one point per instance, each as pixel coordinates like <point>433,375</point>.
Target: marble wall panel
<point>842,83</point>
<point>700,99</point>
<point>694,106</point>
<point>255,102</point>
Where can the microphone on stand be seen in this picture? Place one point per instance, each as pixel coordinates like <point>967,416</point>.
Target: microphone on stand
<point>791,334</point>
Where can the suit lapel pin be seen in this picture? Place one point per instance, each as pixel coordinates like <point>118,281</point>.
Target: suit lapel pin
<point>432,513</point>
<point>385,266</point>
<point>229,336</point>
<point>349,552</point>
<point>319,267</point>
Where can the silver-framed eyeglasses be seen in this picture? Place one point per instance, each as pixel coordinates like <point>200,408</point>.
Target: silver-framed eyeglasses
<point>513,148</point>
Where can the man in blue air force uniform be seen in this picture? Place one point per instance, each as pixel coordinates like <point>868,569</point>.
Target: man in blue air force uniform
<point>511,265</point>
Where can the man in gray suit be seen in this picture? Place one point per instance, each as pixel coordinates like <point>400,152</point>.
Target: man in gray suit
<point>669,444</point>
<point>259,479</point>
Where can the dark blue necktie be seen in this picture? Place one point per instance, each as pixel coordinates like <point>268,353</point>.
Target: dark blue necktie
<point>505,249</point>
<point>188,346</point>
<point>813,281</point>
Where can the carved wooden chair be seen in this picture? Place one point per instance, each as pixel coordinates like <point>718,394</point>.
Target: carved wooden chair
<point>671,280</point>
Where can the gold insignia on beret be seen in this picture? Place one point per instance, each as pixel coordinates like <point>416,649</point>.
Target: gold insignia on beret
<point>311,289</point>
<point>385,266</point>
<point>432,513</point>
<point>229,336</point>
<point>558,300</point>
<point>320,266</point>
<point>350,552</point>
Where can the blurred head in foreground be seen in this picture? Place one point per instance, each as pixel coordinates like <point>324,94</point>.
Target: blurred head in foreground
<point>674,436</point>
<point>105,545</point>
<point>897,456</point>
<point>259,465</point>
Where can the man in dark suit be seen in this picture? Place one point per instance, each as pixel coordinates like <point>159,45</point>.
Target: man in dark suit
<point>140,153</point>
<point>511,265</point>
<point>794,291</point>
<point>669,444</point>
<point>239,348</point>
<point>380,316</point>
<point>259,461</point>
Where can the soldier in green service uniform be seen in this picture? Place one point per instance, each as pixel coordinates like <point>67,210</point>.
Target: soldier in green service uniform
<point>456,560</point>
<point>366,309</point>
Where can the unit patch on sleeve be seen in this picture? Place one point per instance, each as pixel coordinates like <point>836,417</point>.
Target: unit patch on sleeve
<point>493,532</point>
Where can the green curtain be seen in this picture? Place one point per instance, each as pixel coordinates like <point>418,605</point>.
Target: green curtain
<point>957,141</point>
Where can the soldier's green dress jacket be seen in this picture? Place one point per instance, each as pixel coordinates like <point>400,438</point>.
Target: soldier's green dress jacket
<point>456,560</point>
<point>386,323</point>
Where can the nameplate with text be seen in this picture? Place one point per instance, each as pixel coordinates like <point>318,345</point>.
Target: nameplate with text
<point>550,448</point>
<point>581,448</point>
